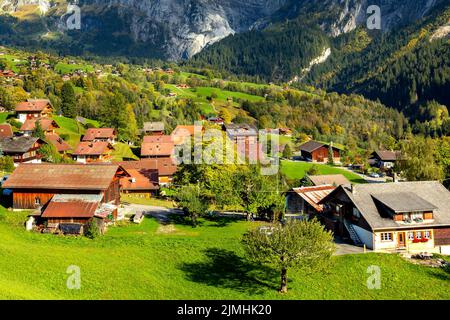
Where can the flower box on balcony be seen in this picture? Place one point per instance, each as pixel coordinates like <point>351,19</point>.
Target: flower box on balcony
<point>424,240</point>
<point>416,241</point>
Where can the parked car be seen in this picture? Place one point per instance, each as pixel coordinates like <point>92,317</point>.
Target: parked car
<point>374,175</point>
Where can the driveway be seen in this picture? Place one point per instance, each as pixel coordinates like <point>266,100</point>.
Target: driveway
<point>344,248</point>
<point>160,213</point>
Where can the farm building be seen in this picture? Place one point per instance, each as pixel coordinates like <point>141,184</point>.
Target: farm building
<point>318,152</point>
<point>67,193</point>
<point>98,151</point>
<point>33,109</point>
<point>100,135</point>
<point>59,143</point>
<point>305,200</point>
<point>22,149</point>
<point>384,159</point>
<point>165,169</point>
<point>393,217</point>
<point>157,147</point>
<point>48,126</point>
<point>153,128</point>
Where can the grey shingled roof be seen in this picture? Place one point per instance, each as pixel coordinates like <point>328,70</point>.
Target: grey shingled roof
<point>312,145</point>
<point>430,191</point>
<point>17,144</point>
<point>401,202</point>
<point>153,126</point>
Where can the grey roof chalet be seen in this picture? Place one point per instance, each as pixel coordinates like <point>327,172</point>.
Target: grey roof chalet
<point>17,144</point>
<point>401,202</point>
<point>153,126</point>
<point>243,130</point>
<point>428,194</point>
<point>384,155</point>
<point>310,146</point>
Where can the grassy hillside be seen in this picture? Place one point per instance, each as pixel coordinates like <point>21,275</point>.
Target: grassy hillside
<point>150,261</point>
<point>297,170</point>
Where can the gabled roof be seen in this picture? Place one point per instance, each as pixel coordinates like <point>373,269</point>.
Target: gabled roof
<point>141,179</point>
<point>33,105</point>
<point>62,176</point>
<point>312,145</point>
<point>329,179</point>
<point>99,133</point>
<point>401,202</point>
<point>97,148</point>
<point>153,126</point>
<point>157,146</point>
<point>313,195</point>
<point>18,144</point>
<point>386,155</point>
<point>6,130</point>
<point>58,142</point>
<point>46,124</point>
<point>165,166</point>
<point>243,129</point>
<point>363,197</point>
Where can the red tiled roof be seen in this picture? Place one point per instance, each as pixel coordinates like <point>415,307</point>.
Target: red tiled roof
<point>165,166</point>
<point>62,176</point>
<point>157,146</point>
<point>99,133</point>
<point>33,105</point>
<point>46,124</point>
<point>5,130</point>
<point>97,148</point>
<point>141,179</point>
<point>58,142</point>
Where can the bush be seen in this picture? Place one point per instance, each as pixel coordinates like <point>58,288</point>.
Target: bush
<point>92,230</point>
<point>7,164</point>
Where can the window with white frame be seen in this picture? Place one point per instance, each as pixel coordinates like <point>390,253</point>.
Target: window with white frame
<point>427,234</point>
<point>418,235</point>
<point>410,235</point>
<point>386,236</point>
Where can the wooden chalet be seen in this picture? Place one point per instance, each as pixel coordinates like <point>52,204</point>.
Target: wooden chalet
<point>153,128</point>
<point>22,149</point>
<point>98,151</point>
<point>157,147</point>
<point>7,74</point>
<point>318,152</point>
<point>34,108</point>
<point>305,200</point>
<point>183,133</point>
<point>164,167</point>
<point>383,159</point>
<point>391,217</point>
<point>67,194</point>
<point>48,126</point>
<point>60,144</point>
<point>100,135</point>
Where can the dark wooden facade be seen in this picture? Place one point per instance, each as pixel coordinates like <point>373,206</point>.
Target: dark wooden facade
<point>321,154</point>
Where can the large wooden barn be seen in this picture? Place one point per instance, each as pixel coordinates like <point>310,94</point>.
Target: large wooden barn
<point>67,196</point>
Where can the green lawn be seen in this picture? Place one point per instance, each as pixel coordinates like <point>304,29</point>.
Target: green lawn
<point>148,261</point>
<point>123,151</point>
<point>65,68</point>
<point>71,128</point>
<point>3,116</point>
<point>297,170</point>
<point>147,201</point>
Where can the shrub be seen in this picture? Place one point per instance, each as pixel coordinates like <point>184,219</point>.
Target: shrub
<point>92,230</point>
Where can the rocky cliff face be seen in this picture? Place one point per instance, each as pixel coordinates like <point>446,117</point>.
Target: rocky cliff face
<point>184,27</point>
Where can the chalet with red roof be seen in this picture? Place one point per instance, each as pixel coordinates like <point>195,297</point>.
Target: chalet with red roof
<point>157,147</point>
<point>33,109</point>
<point>48,126</point>
<point>98,151</point>
<point>61,146</point>
<point>100,134</point>
<point>22,149</point>
<point>67,196</point>
<point>164,168</point>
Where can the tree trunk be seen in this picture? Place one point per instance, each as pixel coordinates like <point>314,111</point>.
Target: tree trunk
<point>284,281</point>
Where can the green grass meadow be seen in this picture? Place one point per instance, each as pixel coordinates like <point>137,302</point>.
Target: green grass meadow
<point>148,261</point>
<point>298,169</point>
